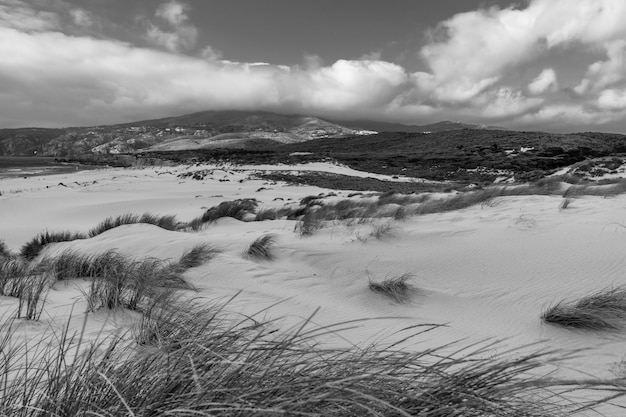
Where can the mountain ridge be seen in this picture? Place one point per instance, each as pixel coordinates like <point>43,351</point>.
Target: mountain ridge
<point>200,130</point>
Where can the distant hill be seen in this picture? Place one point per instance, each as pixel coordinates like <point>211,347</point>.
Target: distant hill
<point>203,130</point>
<point>442,126</point>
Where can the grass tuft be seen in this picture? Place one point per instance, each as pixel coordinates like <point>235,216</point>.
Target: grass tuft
<point>237,209</point>
<point>565,204</point>
<point>603,310</point>
<point>5,253</point>
<point>261,248</point>
<point>33,248</point>
<point>398,289</point>
<point>164,222</point>
<point>197,255</point>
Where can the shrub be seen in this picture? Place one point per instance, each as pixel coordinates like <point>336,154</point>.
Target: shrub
<point>603,310</point>
<point>31,249</point>
<point>261,248</point>
<point>395,288</point>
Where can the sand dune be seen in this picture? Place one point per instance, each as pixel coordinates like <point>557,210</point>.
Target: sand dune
<point>484,273</point>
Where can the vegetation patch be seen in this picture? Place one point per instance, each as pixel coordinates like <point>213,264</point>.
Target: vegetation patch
<point>197,256</point>
<point>194,361</point>
<point>237,209</point>
<point>397,288</point>
<point>165,222</point>
<point>261,248</point>
<point>603,310</point>
<point>31,249</point>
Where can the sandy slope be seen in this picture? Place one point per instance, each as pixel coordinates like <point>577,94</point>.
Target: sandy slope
<point>486,272</point>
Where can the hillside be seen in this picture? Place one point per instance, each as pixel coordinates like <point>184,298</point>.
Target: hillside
<point>471,155</point>
<point>442,126</point>
<point>210,129</point>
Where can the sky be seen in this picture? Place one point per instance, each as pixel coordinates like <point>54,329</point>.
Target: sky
<point>552,65</point>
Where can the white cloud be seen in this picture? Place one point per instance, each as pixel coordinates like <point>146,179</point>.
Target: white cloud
<point>612,99</point>
<point>18,14</point>
<point>603,74</point>
<point>98,81</point>
<point>179,35</point>
<point>82,18</point>
<point>173,12</point>
<point>473,70</point>
<point>545,82</point>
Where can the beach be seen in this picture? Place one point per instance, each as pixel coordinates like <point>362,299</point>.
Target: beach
<point>481,276</point>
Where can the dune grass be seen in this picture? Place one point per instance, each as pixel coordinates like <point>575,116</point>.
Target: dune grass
<point>261,248</point>
<point>197,255</point>
<point>31,249</point>
<point>396,288</point>
<point>603,310</point>
<point>565,203</point>
<point>28,282</point>
<point>195,360</point>
<point>120,281</point>
<point>5,253</point>
<point>165,222</point>
<point>237,209</point>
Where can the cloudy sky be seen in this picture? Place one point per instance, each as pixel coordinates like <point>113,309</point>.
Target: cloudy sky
<point>555,65</point>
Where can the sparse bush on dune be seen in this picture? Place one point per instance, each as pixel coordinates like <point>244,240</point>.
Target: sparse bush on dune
<point>200,363</point>
<point>261,248</point>
<point>165,222</point>
<point>604,310</point>
<point>31,249</point>
<point>397,288</point>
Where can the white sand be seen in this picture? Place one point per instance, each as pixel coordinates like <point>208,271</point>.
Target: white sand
<point>487,272</point>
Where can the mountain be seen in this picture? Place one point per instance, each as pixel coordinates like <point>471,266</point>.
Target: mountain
<point>442,126</point>
<point>208,129</point>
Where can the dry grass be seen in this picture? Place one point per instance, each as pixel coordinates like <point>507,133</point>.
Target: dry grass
<point>397,288</point>
<point>603,310</point>
<point>31,249</point>
<point>261,248</point>
<point>165,222</point>
<point>197,256</point>
<point>565,204</point>
<point>195,361</point>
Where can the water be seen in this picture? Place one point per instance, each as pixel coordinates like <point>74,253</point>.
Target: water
<point>29,166</point>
